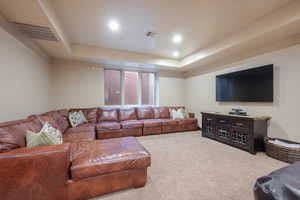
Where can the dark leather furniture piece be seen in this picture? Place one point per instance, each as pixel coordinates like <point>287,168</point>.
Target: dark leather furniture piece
<point>282,184</point>
<point>82,167</point>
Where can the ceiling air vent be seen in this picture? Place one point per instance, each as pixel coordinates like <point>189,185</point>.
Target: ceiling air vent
<point>36,32</point>
<point>150,34</point>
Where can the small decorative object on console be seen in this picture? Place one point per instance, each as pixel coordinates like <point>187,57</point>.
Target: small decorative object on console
<point>238,112</point>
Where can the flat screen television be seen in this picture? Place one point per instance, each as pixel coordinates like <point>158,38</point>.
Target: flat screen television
<point>251,85</point>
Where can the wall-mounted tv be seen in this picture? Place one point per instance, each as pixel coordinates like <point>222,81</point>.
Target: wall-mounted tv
<point>251,85</point>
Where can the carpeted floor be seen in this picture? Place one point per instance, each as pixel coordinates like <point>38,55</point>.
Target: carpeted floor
<point>186,166</point>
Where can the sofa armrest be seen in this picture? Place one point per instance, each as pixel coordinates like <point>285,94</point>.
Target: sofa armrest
<point>191,115</point>
<point>35,173</point>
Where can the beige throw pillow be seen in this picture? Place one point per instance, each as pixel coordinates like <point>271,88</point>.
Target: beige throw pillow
<point>176,114</point>
<point>77,118</point>
<point>47,136</point>
<point>179,114</point>
<point>184,112</point>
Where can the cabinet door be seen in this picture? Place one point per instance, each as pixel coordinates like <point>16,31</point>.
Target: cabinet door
<point>223,133</point>
<point>208,126</point>
<point>241,137</point>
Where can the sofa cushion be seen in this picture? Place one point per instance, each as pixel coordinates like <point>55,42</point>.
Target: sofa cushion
<point>108,126</point>
<point>169,122</point>
<point>77,118</point>
<point>161,112</point>
<point>177,114</point>
<point>108,114</point>
<point>47,136</point>
<point>12,134</point>
<point>76,136</point>
<point>187,121</point>
<point>132,124</point>
<point>60,120</point>
<point>90,114</point>
<point>87,127</point>
<point>145,113</point>
<point>127,114</point>
<point>98,157</point>
<point>55,119</point>
<point>152,123</point>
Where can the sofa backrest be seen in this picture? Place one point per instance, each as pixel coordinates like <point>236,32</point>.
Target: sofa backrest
<point>161,112</point>
<point>145,113</point>
<point>108,114</point>
<point>57,119</point>
<point>13,134</point>
<point>91,114</point>
<point>127,114</point>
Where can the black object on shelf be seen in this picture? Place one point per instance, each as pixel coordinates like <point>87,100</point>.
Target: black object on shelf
<point>238,112</point>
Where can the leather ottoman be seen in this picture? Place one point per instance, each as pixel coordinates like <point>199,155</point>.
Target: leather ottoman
<point>104,166</point>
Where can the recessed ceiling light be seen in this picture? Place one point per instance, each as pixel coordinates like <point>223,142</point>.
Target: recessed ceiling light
<point>113,25</point>
<point>175,53</point>
<point>177,38</point>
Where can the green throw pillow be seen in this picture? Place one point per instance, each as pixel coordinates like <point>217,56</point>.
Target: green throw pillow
<point>77,118</point>
<point>47,136</point>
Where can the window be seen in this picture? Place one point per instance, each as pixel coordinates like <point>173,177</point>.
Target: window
<point>112,85</point>
<point>148,88</point>
<point>130,88</point>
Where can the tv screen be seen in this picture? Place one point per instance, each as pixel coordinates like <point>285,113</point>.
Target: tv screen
<point>252,85</point>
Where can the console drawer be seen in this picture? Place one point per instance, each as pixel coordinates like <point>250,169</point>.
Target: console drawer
<point>226,121</point>
<point>208,119</point>
<point>241,123</point>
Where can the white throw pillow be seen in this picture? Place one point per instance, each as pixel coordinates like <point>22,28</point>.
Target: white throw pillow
<point>77,118</point>
<point>47,136</point>
<point>177,114</point>
<point>184,113</point>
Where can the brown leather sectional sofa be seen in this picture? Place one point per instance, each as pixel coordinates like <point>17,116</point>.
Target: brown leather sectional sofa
<point>96,157</point>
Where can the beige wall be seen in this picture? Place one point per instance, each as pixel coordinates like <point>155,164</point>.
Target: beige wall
<point>171,91</point>
<point>24,80</point>
<point>77,85</point>
<point>200,92</point>
<point>82,85</point>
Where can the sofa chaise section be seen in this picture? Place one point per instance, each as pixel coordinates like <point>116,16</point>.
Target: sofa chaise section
<point>69,171</point>
<point>104,166</point>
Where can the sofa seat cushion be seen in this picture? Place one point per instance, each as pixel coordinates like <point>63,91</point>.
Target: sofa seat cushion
<point>76,136</point>
<point>187,121</point>
<point>169,122</point>
<point>88,127</point>
<point>132,124</point>
<point>93,158</point>
<point>108,126</point>
<point>152,123</point>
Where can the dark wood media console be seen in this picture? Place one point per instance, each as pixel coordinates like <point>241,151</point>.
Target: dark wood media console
<point>243,132</point>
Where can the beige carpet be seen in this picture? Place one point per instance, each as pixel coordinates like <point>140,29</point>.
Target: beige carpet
<point>186,166</point>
